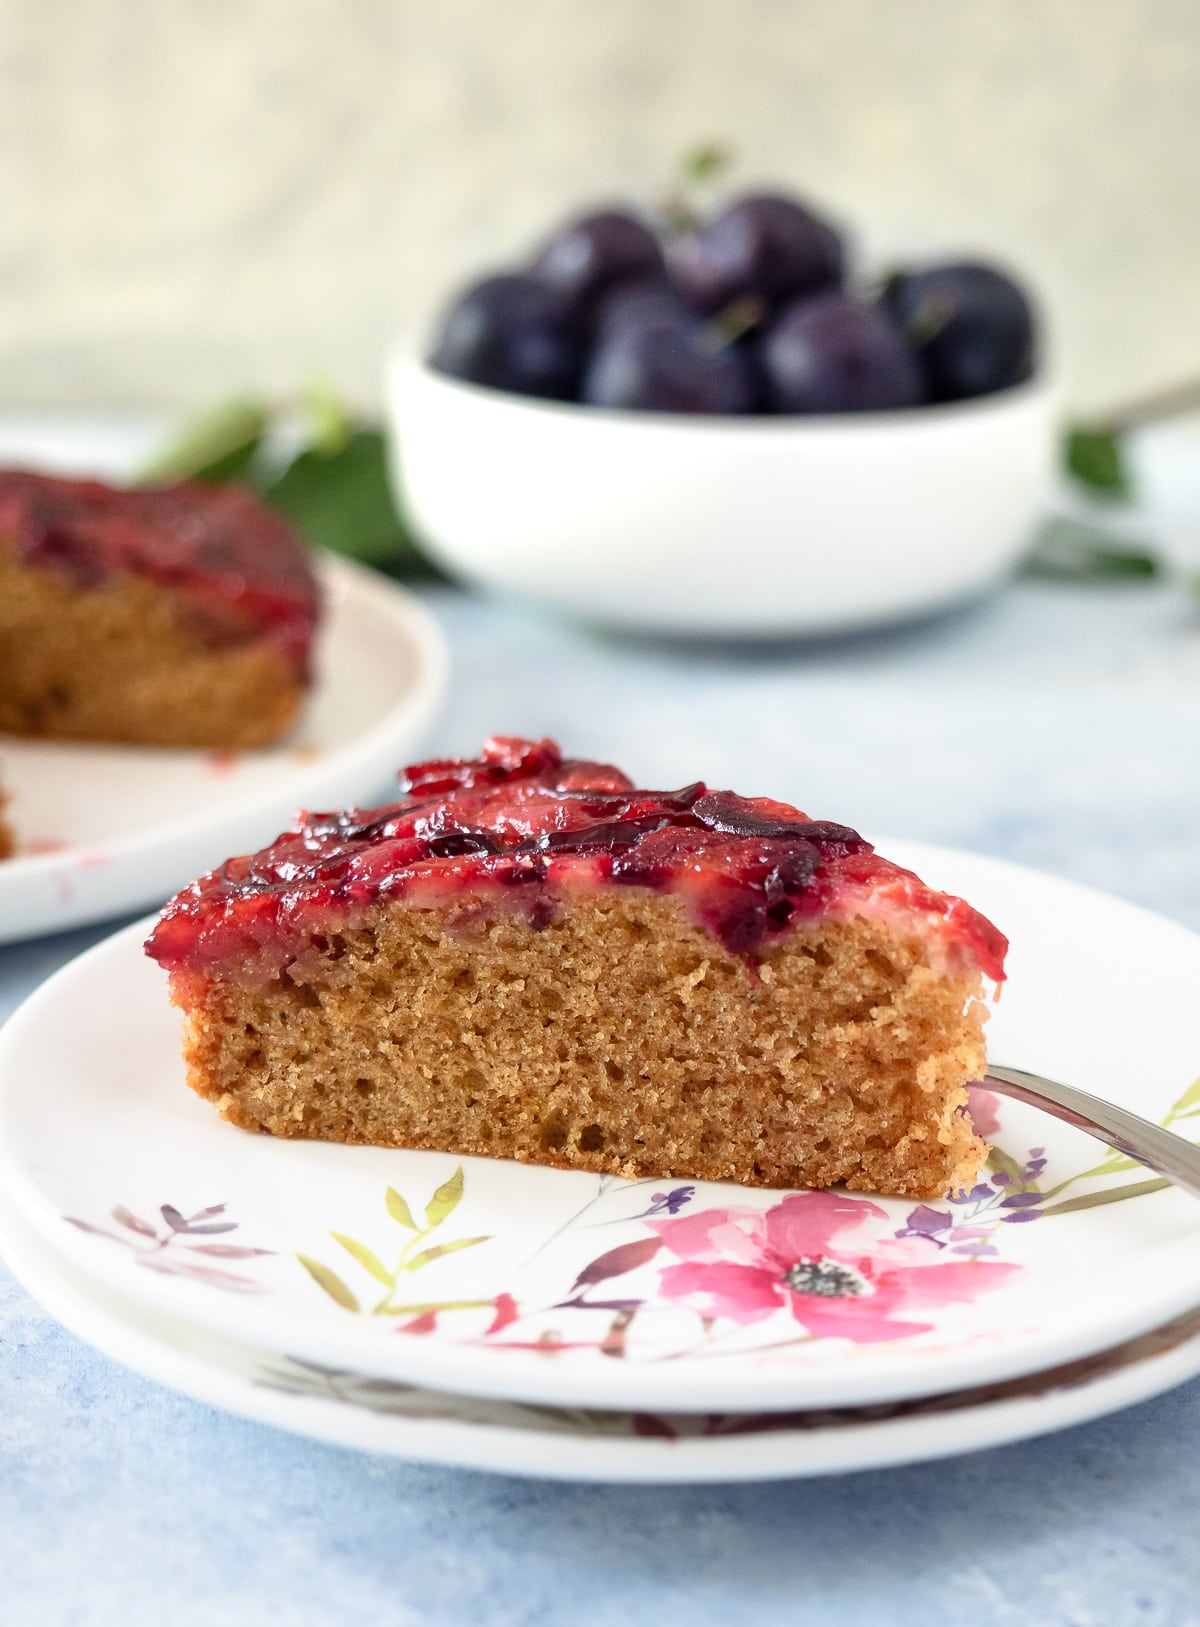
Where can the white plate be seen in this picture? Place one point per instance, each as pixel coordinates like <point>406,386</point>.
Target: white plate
<point>105,830</point>
<point>280,1244</point>
<point>400,1420</point>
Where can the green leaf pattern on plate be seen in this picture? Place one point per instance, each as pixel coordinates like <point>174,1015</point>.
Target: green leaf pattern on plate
<point>410,1258</point>
<point>399,1210</point>
<point>445,1200</point>
<point>330,1282</point>
<point>360,1252</point>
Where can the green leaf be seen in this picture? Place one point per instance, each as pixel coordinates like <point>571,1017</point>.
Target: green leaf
<point>932,314</point>
<point>1189,1099</point>
<point>1071,550</point>
<point>739,317</point>
<point>341,500</point>
<point>370,1262</point>
<point>428,1255</point>
<point>705,161</point>
<point>1003,1164</point>
<point>330,1282</point>
<point>425,1306</point>
<point>325,415</point>
<point>445,1200</point>
<point>217,444</point>
<point>1116,1194</point>
<point>1116,1165</point>
<point>399,1210</point>
<point>1095,457</point>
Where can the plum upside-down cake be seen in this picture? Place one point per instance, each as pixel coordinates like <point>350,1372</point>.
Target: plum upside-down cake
<point>527,957</point>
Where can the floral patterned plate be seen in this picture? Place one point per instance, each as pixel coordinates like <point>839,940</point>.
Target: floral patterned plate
<point>402,1420</point>
<point>106,830</point>
<point>563,1288</point>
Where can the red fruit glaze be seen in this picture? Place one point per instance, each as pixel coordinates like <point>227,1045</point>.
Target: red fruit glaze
<point>240,566</point>
<point>525,827</point>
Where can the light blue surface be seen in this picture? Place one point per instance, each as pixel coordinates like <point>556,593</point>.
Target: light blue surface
<point>1059,727</point>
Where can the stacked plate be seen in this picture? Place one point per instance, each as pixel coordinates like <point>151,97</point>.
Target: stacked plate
<point>557,1323</point>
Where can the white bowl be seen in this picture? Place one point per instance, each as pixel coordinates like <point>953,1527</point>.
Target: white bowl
<point>730,526</point>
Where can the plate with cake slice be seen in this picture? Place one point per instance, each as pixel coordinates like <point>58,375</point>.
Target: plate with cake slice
<point>178,674</point>
<point>535,1084</point>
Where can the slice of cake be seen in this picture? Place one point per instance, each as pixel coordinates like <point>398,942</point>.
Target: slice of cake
<point>6,835</point>
<point>176,616</point>
<point>527,957</point>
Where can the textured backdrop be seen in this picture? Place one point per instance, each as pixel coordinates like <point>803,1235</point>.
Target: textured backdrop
<point>201,194</point>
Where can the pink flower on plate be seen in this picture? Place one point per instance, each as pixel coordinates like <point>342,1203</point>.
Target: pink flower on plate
<point>825,1257</point>
<point>985,1110</point>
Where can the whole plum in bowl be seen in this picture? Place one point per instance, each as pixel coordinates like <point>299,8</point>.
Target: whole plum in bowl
<point>721,433</point>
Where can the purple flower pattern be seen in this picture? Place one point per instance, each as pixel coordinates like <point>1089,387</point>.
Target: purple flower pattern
<point>668,1203</point>
<point>1010,1194</point>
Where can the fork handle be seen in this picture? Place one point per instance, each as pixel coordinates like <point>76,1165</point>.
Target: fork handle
<point>1160,1150</point>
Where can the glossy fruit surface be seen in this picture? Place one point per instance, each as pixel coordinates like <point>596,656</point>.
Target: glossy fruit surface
<point>636,306</point>
<point>835,353</point>
<point>672,365</point>
<point>594,253</point>
<point>762,244</point>
<point>509,332</point>
<point>748,311</point>
<point>523,828</point>
<point>970,324</point>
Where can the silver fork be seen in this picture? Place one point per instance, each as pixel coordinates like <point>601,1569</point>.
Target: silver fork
<point>1160,1150</point>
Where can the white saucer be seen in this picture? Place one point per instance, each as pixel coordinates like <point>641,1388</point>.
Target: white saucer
<point>400,1421</point>
<point>106,830</point>
<point>563,1288</point>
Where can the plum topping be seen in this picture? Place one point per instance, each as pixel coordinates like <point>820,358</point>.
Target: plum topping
<point>523,821</point>
<point>242,568</point>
